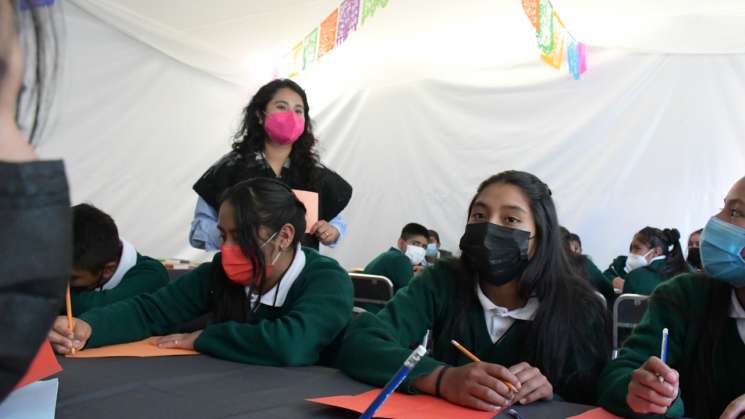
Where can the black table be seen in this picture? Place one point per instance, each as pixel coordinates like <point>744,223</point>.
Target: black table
<point>184,387</point>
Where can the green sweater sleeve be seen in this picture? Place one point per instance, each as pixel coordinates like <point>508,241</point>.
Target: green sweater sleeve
<point>666,309</point>
<point>146,276</point>
<point>616,268</point>
<point>316,313</point>
<point>375,346</point>
<point>151,314</point>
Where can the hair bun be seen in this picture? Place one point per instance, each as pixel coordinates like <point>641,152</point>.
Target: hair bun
<point>672,234</point>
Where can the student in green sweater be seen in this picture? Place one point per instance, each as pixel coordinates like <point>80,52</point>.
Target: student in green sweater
<point>511,299</point>
<point>584,266</point>
<point>398,263</point>
<point>654,256</point>
<point>704,376</point>
<point>106,268</point>
<point>272,302</point>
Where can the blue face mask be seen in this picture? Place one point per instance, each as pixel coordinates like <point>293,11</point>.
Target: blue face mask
<point>721,252</point>
<point>432,250</point>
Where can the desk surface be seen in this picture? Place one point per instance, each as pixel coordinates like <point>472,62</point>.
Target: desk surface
<point>186,387</point>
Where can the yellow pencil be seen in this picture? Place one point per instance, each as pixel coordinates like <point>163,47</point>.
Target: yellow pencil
<point>474,358</point>
<point>70,323</point>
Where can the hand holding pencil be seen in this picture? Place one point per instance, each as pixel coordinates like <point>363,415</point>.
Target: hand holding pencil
<point>65,341</point>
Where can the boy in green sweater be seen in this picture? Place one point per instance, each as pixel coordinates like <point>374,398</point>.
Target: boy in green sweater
<point>399,263</point>
<point>704,373</point>
<point>106,268</point>
<point>272,301</point>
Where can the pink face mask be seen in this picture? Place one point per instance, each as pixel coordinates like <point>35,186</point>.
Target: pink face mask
<point>284,127</point>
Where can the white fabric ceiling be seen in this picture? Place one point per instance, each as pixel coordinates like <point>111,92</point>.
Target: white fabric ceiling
<point>416,108</point>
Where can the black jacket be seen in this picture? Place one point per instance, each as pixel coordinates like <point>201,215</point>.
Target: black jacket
<point>35,260</point>
<point>333,191</point>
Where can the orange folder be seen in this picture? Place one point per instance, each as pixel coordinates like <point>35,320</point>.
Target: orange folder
<point>403,406</point>
<point>310,200</point>
<point>44,365</point>
<point>142,349</point>
<point>598,413</point>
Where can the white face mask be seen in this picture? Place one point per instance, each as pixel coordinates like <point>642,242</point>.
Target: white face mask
<point>634,261</point>
<point>415,254</point>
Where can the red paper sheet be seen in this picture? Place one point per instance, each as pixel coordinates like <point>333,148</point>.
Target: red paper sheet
<point>44,365</point>
<point>598,413</point>
<point>142,349</point>
<point>403,406</point>
<point>310,200</point>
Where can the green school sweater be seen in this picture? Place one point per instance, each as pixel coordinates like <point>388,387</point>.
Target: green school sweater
<point>376,345</point>
<point>617,268</point>
<point>680,305</point>
<point>146,276</point>
<point>599,281</point>
<point>317,308</point>
<point>394,265</point>
<point>644,280</point>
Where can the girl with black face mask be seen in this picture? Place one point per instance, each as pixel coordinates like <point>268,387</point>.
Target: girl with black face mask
<point>511,299</point>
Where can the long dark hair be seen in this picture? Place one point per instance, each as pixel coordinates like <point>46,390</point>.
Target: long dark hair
<point>250,137</point>
<point>38,37</point>
<point>669,241</point>
<point>563,341</point>
<point>257,202</point>
<point>699,386</point>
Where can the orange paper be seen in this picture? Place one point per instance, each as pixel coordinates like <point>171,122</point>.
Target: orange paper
<point>142,349</point>
<point>403,406</point>
<point>43,365</point>
<point>310,200</point>
<point>598,413</point>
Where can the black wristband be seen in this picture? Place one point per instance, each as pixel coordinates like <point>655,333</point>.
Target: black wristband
<point>439,380</point>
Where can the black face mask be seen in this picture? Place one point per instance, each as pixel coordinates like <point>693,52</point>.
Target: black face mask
<point>499,254</point>
<point>694,257</point>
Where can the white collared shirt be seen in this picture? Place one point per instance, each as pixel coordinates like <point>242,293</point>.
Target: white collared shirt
<point>500,319</point>
<point>278,293</point>
<point>737,312</point>
<point>127,260</point>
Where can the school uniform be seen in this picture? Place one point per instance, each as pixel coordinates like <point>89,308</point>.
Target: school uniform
<point>295,321</point>
<point>645,279</point>
<point>680,304</point>
<point>135,275</point>
<point>394,265</point>
<point>376,345</point>
<point>616,269</point>
<point>333,191</point>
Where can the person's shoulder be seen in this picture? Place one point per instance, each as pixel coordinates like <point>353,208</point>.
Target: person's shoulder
<point>442,275</point>
<point>315,262</point>
<point>147,266</point>
<point>686,285</point>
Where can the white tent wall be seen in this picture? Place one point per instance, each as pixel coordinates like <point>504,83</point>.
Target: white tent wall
<point>414,110</point>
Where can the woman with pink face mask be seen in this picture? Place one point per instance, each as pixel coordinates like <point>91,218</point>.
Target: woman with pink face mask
<point>275,140</point>
<point>270,301</point>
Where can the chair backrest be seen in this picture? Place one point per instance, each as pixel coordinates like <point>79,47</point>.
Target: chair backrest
<point>373,289</point>
<point>628,311</point>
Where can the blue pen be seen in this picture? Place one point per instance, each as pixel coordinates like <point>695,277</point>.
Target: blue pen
<point>663,350</point>
<point>396,381</point>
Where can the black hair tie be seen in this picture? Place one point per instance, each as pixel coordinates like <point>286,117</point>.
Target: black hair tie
<point>439,380</point>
